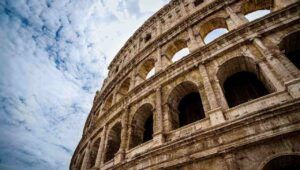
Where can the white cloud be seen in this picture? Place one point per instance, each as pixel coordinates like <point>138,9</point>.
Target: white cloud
<point>54,56</point>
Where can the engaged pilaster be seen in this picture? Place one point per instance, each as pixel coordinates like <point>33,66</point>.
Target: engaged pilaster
<point>215,113</point>
<point>159,134</point>
<point>120,156</point>
<point>273,61</point>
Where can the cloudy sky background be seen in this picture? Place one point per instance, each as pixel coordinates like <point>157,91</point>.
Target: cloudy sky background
<point>53,58</point>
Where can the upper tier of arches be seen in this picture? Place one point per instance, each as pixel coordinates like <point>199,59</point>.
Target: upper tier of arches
<point>173,14</point>
<point>143,65</point>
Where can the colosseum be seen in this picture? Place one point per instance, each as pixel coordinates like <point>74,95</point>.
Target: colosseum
<point>204,85</point>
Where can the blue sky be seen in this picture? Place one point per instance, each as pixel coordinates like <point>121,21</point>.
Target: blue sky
<point>53,58</point>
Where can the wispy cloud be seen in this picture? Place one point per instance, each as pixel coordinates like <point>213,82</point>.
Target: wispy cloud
<point>53,58</point>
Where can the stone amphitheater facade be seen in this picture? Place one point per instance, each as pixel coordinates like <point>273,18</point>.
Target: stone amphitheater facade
<point>232,103</point>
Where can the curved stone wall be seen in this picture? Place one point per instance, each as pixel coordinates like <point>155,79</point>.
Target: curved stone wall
<point>138,118</point>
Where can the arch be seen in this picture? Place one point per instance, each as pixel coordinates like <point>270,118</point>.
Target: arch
<point>290,46</point>
<point>213,29</point>
<point>151,73</point>
<point>107,104</point>
<point>113,142</point>
<point>290,162</point>
<point>214,34</point>
<point>257,14</point>
<point>241,81</point>
<point>250,6</point>
<point>141,125</point>
<point>145,68</point>
<point>123,89</point>
<point>185,104</point>
<point>94,152</point>
<point>177,50</point>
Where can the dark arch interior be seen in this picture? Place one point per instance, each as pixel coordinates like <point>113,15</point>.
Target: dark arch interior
<point>291,47</point>
<point>287,162</point>
<point>93,154</point>
<point>242,87</point>
<point>80,161</point>
<point>142,126</point>
<point>148,129</point>
<point>113,143</point>
<point>190,109</point>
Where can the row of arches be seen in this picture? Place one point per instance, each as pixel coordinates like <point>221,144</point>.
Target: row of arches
<point>289,46</point>
<point>209,31</point>
<point>240,80</point>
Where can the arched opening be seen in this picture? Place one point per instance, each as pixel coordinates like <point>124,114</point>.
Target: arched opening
<point>241,81</point>
<point>151,73</point>
<point>147,69</point>
<point>107,103</point>
<point>285,162</point>
<point>94,152</point>
<point>257,14</point>
<point>113,142</point>
<point>147,37</point>
<point>180,54</point>
<point>142,126</point>
<point>254,9</point>
<point>242,87</point>
<point>213,29</point>
<point>214,34</point>
<point>177,50</point>
<point>124,88</point>
<point>290,46</point>
<point>185,105</point>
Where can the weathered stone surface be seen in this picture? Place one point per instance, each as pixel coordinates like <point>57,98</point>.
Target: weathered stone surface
<point>142,122</point>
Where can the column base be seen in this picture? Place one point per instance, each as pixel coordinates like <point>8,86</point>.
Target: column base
<point>119,157</point>
<point>158,139</point>
<point>216,116</point>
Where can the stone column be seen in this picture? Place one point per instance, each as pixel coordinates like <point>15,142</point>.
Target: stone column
<point>165,61</point>
<point>159,29</point>
<point>208,88</point>
<point>183,9</point>
<point>86,158</point>
<point>237,21</point>
<point>198,38</point>
<point>132,80</point>
<point>193,44</point>
<point>138,79</point>
<point>138,44</point>
<point>120,156</point>
<point>158,64</point>
<point>101,150</point>
<point>159,133</point>
<point>215,113</point>
<point>167,117</point>
<point>273,61</point>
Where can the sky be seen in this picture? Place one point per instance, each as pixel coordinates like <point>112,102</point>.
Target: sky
<point>54,56</point>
